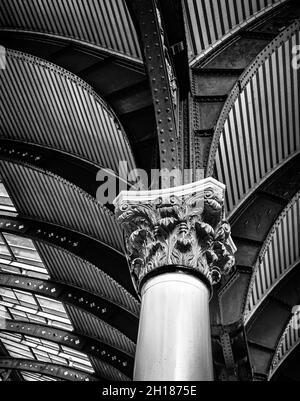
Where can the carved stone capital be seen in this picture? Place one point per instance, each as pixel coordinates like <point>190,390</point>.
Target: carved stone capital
<point>182,226</point>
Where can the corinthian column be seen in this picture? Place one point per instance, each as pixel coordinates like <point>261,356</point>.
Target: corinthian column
<point>178,246</point>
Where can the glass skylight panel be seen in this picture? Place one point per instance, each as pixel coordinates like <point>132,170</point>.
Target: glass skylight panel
<point>23,249</point>
<point>4,315</point>
<point>51,306</point>
<point>59,361</point>
<point>79,360</point>
<point>26,298</point>
<point>21,346</point>
<point>6,203</point>
<point>34,308</point>
<point>7,294</point>
<point>36,319</point>
<point>11,267</point>
<point>14,346</point>
<point>4,251</point>
<point>18,255</point>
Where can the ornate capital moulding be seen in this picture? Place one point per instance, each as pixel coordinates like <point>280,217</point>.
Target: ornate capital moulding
<point>176,229</point>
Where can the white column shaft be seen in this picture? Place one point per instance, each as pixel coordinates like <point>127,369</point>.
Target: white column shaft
<point>174,341</point>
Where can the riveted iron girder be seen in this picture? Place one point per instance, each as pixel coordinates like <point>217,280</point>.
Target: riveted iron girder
<point>230,352</point>
<point>156,57</point>
<point>250,227</point>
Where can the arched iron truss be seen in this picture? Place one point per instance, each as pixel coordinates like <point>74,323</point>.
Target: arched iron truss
<point>273,293</point>
<point>272,329</point>
<point>247,177</point>
<point>219,70</point>
<point>289,341</point>
<point>89,346</point>
<point>251,225</point>
<point>278,256</point>
<point>209,24</point>
<point>241,84</point>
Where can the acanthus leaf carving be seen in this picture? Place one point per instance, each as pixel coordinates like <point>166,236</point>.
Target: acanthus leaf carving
<point>185,231</point>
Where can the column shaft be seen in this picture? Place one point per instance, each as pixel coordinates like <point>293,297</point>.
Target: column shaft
<point>174,340</point>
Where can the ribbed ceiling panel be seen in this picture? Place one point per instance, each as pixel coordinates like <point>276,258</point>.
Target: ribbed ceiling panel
<point>262,128</point>
<point>70,269</point>
<point>208,21</point>
<point>280,253</point>
<point>46,105</point>
<point>289,340</point>
<point>88,324</point>
<point>103,23</point>
<point>44,196</point>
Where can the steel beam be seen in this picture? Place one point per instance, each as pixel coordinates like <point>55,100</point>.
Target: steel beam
<point>147,18</point>
<point>230,352</point>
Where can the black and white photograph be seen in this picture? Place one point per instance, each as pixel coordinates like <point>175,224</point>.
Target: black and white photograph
<point>149,195</point>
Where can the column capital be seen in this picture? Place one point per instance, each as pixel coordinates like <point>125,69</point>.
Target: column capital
<point>181,227</point>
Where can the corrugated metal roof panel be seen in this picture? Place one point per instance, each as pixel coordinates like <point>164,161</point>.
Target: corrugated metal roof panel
<point>103,23</point>
<point>261,131</point>
<point>46,105</point>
